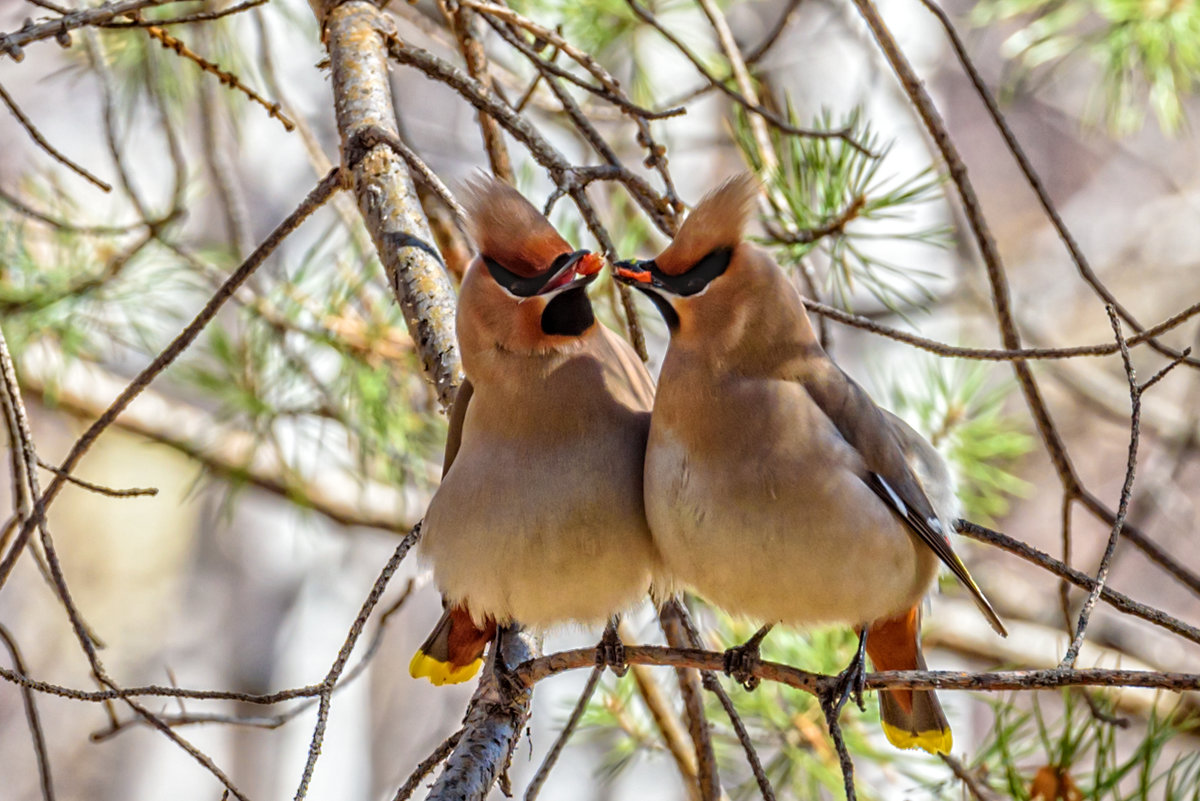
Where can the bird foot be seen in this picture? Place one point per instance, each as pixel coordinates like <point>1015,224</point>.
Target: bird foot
<point>610,651</point>
<point>740,663</point>
<point>853,680</point>
<point>510,686</point>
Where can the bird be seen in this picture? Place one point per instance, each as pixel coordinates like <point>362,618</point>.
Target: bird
<point>539,518</point>
<point>775,488</point>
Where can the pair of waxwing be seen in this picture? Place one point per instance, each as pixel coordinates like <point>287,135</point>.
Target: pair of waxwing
<point>539,517</point>
<point>774,487</point>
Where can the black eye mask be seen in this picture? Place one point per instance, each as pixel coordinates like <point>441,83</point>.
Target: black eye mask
<point>528,287</point>
<point>700,275</point>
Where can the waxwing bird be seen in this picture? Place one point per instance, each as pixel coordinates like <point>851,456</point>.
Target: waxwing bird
<point>539,517</point>
<point>775,488</point>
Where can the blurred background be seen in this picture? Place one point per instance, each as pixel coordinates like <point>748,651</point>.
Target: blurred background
<point>298,438</point>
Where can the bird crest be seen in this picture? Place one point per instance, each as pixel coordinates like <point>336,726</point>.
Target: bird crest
<point>718,221</point>
<point>509,230</point>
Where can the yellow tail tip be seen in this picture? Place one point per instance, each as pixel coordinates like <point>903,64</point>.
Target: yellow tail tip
<point>934,741</point>
<point>425,666</point>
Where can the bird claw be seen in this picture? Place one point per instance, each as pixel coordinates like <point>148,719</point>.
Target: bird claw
<point>853,680</point>
<point>741,662</point>
<point>610,651</point>
<point>506,679</point>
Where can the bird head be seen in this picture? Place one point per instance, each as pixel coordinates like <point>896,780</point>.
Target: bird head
<point>703,259</point>
<point>526,290</point>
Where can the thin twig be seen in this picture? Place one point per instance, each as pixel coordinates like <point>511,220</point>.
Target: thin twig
<point>676,626</point>
<point>311,695</point>
<point>672,730</point>
<point>26,210</point>
<point>99,489</point>
<point>543,771</point>
<point>426,766</point>
<point>466,29</point>
<point>761,49</point>
<point>745,85</point>
<point>226,77</point>
<point>32,718</point>
<point>343,656</point>
<point>1035,182</point>
<point>324,189</point>
<point>1135,427</point>
<point>845,134</point>
<point>201,16</point>
<point>60,28</point>
<point>1116,600</point>
<point>539,669</point>
<point>41,141</point>
<point>830,707</point>
<point>712,684</point>
<point>1001,300</point>
<point>994,354</point>
<point>970,781</point>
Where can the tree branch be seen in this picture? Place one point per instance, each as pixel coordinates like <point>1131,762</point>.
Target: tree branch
<point>356,33</point>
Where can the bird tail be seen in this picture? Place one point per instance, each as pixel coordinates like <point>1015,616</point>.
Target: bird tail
<point>453,651</point>
<point>911,718</point>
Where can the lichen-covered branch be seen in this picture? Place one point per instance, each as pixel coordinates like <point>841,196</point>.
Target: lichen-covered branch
<point>492,727</point>
<point>355,33</point>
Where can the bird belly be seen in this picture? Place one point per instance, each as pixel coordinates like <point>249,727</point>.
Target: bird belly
<point>577,556</point>
<point>777,542</point>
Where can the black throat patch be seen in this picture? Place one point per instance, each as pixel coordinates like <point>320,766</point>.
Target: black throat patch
<point>568,313</point>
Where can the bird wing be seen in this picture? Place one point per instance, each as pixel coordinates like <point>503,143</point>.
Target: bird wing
<point>888,472</point>
<point>458,413</point>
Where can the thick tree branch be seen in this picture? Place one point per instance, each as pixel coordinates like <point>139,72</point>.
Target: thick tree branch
<point>493,725</point>
<point>356,33</point>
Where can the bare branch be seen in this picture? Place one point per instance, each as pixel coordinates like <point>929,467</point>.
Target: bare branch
<point>1001,299</point>
<point>12,43</point>
<point>560,742</point>
<point>845,134</point>
<point>315,199</point>
<point>343,656</point>
<point>493,725</point>
<point>37,137</point>
<point>99,489</point>
<point>1035,183</point>
<point>32,718</point>
<point>201,16</point>
<point>426,766</point>
<point>760,776</point>
<point>1122,603</point>
<point>680,633</point>
<point>356,33</point>
<point>225,76</point>
<point>1135,397</point>
<point>991,354</point>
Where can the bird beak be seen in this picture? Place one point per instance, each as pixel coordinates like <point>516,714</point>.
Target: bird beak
<point>641,276</point>
<point>580,269</point>
<point>636,274</point>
